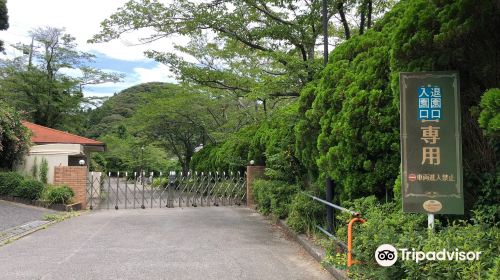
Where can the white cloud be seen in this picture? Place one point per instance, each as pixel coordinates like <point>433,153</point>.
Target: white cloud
<point>81,19</point>
<point>160,73</point>
<point>75,73</point>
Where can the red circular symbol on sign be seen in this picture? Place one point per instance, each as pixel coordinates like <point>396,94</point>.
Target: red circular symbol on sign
<point>412,177</point>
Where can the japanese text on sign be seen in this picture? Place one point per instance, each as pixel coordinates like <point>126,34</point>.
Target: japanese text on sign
<point>431,143</point>
<point>429,103</point>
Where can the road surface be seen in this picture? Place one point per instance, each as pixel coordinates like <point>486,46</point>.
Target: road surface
<point>179,243</point>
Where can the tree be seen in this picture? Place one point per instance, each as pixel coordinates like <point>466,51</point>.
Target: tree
<point>349,125</point>
<point>42,100</point>
<point>261,49</point>
<point>115,110</point>
<point>33,83</point>
<point>4,20</point>
<point>181,119</point>
<point>178,123</point>
<point>14,137</point>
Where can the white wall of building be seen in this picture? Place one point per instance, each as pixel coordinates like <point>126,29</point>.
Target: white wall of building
<point>55,154</point>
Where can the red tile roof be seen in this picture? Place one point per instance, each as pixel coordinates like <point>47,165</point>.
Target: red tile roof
<point>44,135</point>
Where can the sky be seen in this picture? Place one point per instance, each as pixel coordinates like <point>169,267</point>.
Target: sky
<point>81,19</point>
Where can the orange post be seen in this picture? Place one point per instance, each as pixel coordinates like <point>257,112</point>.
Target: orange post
<point>350,261</point>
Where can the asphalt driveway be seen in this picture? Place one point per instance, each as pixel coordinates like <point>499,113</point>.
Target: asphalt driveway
<point>15,214</point>
<point>190,243</point>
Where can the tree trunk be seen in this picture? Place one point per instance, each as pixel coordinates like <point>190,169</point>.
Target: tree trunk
<point>347,31</point>
<point>362,21</point>
<point>325,32</point>
<point>187,159</point>
<point>369,14</point>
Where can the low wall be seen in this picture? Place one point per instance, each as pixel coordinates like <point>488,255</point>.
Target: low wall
<point>253,172</point>
<point>76,178</point>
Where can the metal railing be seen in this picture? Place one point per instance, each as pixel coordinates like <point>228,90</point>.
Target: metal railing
<point>356,218</point>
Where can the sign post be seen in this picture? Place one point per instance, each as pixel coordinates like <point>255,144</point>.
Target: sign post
<point>431,149</point>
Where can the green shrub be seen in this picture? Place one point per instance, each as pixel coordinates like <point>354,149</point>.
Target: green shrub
<point>274,143</point>
<point>274,197</point>
<point>14,136</point>
<point>29,189</point>
<point>494,271</point>
<point>34,168</point>
<point>230,155</point>
<point>58,194</point>
<point>160,182</point>
<point>464,237</point>
<point>262,196</point>
<point>489,120</point>
<point>9,181</point>
<point>387,224</point>
<point>44,170</point>
<point>305,214</point>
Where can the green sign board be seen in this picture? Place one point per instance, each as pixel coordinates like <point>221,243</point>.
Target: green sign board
<point>431,147</point>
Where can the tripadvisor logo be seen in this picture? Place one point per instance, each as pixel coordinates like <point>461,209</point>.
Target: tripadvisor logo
<point>387,255</point>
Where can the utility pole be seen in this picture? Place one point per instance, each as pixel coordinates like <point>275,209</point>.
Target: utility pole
<point>330,214</point>
<point>142,164</point>
<point>325,33</point>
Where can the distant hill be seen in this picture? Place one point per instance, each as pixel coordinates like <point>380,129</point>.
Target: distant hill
<point>122,105</point>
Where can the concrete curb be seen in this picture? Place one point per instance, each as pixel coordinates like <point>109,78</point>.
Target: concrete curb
<point>42,204</point>
<point>316,252</point>
<point>9,238</point>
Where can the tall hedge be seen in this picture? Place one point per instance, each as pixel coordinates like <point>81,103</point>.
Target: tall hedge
<point>353,109</point>
<point>350,117</point>
<point>274,145</point>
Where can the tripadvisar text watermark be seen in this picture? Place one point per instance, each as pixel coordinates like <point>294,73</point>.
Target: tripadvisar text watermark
<point>387,255</point>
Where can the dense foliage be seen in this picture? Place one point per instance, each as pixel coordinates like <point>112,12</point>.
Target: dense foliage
<point>29,189</point>
<point>260,49</point>
<point>128,153</point>
<point>347,121</point>
<point>9,182</point>
<point>489,120</point>
<point>14,137</point>
<point>387,224</point>
<point>351,113</point>
<point>111,114</point>
<point>58,194</point>
<point>305,213</point>
<point>272,143</point>
<point>4,20</point>
<point>274,197</point>
<point>232,154</point>
<point>17,185</point>
<point>35,84</point>
<point>127,148</point>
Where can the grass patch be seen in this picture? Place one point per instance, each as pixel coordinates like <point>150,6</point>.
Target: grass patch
<point>60,217</point>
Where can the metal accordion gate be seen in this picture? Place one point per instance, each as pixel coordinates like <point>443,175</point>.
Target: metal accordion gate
<point>117,190</point>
